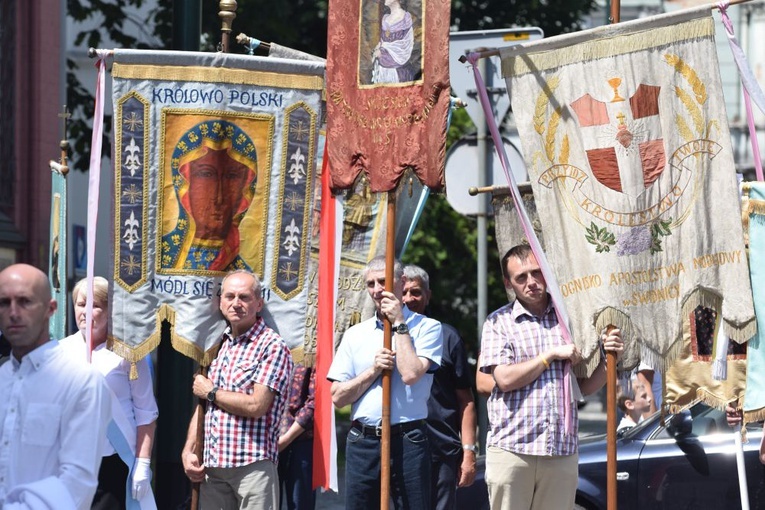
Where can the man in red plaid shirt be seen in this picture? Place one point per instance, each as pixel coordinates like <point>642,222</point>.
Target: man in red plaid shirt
<point>246,392</point>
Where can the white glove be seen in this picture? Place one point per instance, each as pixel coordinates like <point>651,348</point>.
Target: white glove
<point>141,478</point>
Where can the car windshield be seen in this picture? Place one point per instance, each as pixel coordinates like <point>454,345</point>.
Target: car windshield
<point>706,421</point>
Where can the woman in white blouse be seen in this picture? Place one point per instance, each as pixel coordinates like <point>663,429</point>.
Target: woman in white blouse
<point>135,397</point>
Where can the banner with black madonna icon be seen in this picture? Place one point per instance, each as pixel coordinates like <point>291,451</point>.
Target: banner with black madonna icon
<point>215,167</point>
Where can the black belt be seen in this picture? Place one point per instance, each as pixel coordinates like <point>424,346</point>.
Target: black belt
<point>398,429</point>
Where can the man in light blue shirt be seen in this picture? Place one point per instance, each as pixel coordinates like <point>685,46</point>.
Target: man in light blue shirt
<point>356,379</point>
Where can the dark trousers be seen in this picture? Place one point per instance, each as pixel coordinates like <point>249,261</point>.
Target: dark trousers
<point>443,482</point>
<point>296,476</point>
<point>112,479</point>
<point>409,470</point>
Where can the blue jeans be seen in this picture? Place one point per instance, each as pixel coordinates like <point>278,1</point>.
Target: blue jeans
<point>443,481</point>
<point>295,476</point>
<point>409,470</point>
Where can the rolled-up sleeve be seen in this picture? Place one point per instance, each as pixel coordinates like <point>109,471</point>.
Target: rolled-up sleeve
<point>428,342</point>
<point>495,346</point>
<point>142,393</point>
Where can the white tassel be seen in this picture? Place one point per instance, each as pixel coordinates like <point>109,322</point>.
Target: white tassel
<point>720,364</point>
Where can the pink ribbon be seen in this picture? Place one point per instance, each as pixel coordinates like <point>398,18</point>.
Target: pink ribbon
<point>749,84</point>
<point>94,183</point>
<point>552,284</point>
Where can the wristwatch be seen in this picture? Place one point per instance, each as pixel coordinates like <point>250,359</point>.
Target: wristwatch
<point>470,447</point>
<point>211,395</point>
<point>401,329</point>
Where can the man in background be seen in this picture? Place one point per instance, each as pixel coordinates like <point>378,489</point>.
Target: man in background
<point>451,407</point>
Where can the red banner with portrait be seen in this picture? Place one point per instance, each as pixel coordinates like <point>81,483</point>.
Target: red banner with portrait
<point>387,91</point>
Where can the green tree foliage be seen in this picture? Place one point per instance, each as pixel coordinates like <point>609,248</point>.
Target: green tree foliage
<point>114,18</point>
<point>552,16</point>
<point>299,24</point>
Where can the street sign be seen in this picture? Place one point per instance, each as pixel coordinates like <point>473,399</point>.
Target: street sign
<point>463,83</point>
<point>462,173</point>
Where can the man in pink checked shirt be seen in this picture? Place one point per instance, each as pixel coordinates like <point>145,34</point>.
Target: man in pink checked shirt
<point>531,459</point>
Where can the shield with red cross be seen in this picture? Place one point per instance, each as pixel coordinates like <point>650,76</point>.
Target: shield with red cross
<point>623,138</point>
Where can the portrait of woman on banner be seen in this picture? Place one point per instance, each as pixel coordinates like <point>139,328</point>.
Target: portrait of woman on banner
<point>392,37</point>
<point>214,176</point>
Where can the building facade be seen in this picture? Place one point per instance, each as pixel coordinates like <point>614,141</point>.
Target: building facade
<point>31,97</point>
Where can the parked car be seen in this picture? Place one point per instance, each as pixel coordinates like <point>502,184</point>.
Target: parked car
<point>689,464</point>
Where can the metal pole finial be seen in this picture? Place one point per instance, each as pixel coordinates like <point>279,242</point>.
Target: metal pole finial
<point>65,115</point>
<point>227,14</point>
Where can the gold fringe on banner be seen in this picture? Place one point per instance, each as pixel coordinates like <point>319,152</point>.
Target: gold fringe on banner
<point>217,74</point>
<point>687,380</point>
<point>180,344</point>
<point>754,416</point>
<point>742,333</point>
<point>525,59</point>
<point>611,317</point>
<point>713,400</point>
<point>755,207</point>
<point>587,366</point>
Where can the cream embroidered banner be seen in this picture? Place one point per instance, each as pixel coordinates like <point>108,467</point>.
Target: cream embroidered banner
<point>215,166</point>
<point>626,141</point>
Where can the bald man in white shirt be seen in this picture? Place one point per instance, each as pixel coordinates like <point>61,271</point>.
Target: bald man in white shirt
<point>53,410</point>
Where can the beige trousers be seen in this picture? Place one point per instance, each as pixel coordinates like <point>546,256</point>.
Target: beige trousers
<point>251,487</point>
<point>529,482</point>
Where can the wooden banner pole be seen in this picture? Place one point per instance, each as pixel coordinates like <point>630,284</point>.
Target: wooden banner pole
<point>227,14</point>
<point>616,9</point>
<point>200,417</point>
<point>390,257</point>
<point>611,503</point>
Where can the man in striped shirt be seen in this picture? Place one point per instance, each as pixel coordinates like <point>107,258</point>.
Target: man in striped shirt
<point>532,456</point>
<point>246,391</point>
